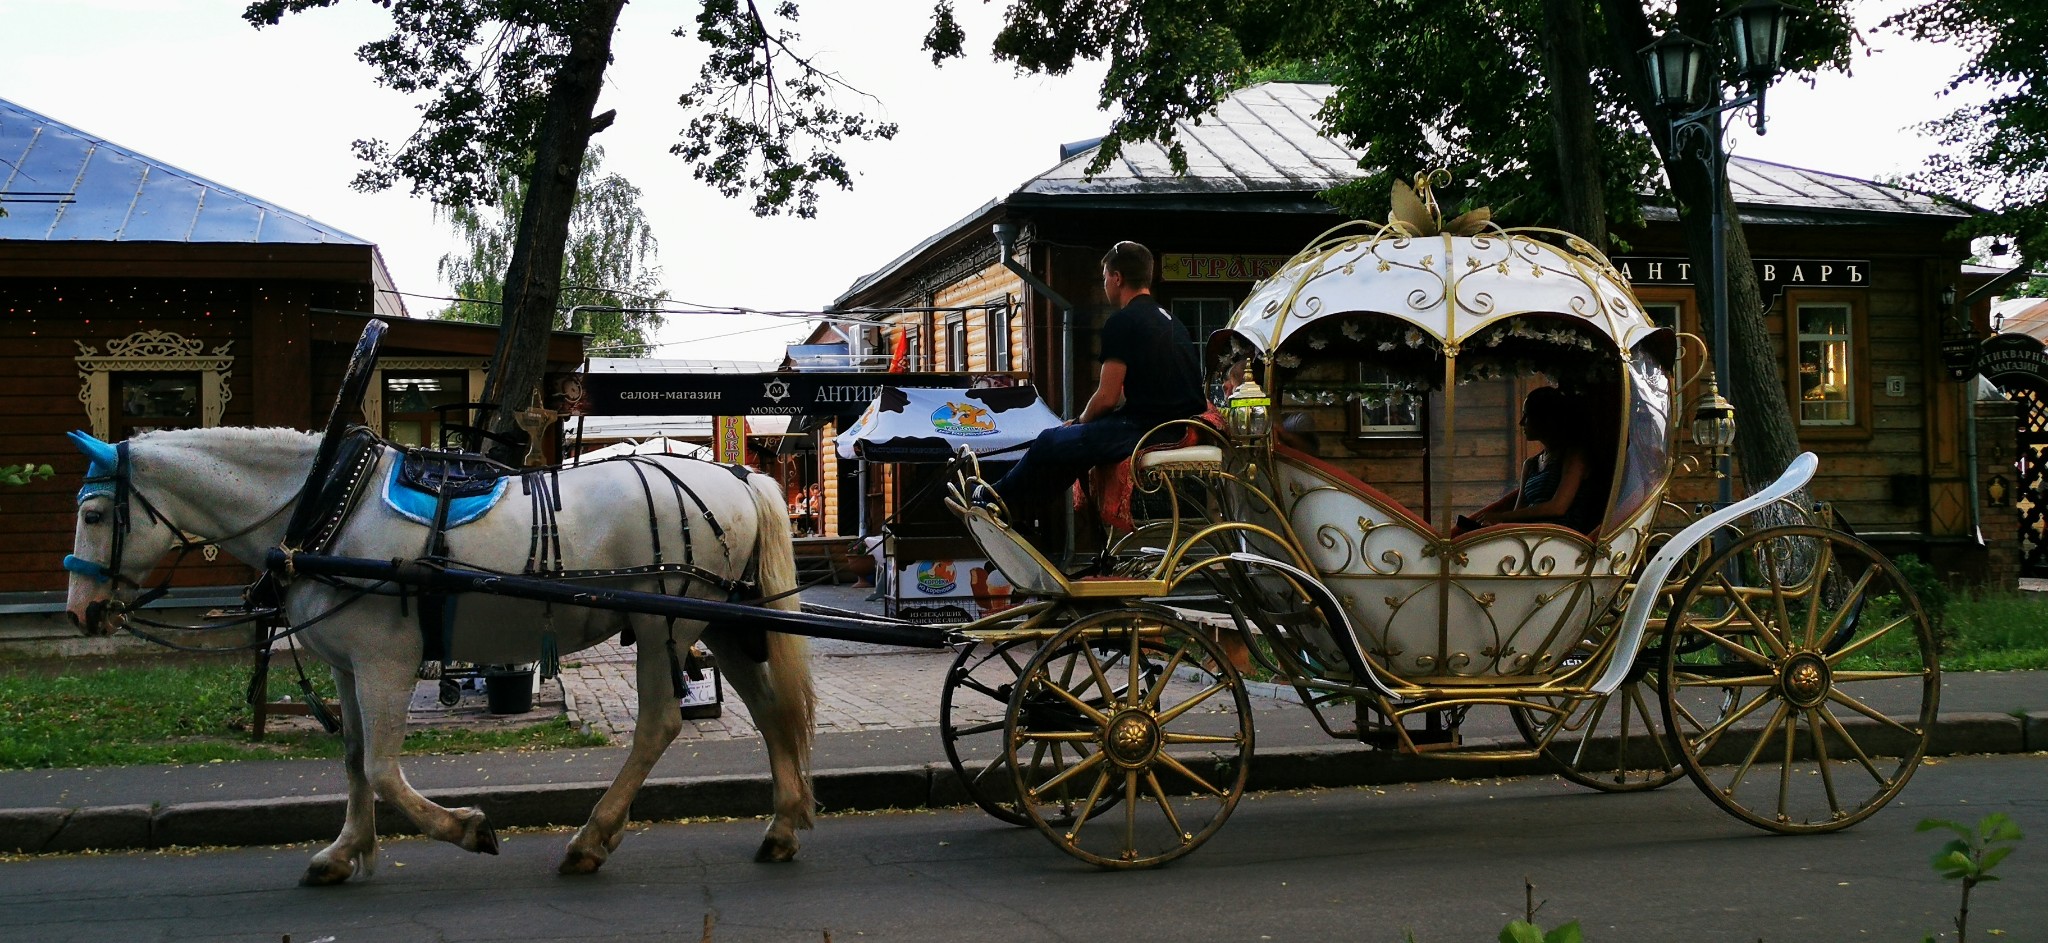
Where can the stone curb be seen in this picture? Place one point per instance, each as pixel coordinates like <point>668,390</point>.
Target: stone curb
<point>933,785</point>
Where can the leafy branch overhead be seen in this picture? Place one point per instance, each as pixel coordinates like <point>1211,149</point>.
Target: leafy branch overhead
<point>1991,151</point>
<point>754,99</point>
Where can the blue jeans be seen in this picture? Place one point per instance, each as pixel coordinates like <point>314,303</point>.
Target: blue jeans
<point>1062,455</point>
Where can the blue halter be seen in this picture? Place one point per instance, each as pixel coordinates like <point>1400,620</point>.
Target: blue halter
<point>107,475</point>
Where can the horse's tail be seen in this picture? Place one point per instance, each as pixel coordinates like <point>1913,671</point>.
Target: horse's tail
<point>789,656</point>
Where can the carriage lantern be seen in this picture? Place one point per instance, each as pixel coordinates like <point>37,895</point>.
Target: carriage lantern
<point>1713,425</point>
<point>1250,411</point>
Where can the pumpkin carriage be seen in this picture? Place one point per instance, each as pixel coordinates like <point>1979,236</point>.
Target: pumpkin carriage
<point>1370,388</point>
<point>1315,542</point>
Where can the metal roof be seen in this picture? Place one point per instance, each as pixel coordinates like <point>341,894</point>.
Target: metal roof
<point>1264,150</point>
<point>678,365</point>
<point>1265,137</point>
<point>61,184</point>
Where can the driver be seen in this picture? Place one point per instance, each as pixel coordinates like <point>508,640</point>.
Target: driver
<point>1149,376</point>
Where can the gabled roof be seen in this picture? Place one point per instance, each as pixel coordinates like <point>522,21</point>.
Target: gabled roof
<point>1264,150</point>
<point>1261,138</point>
<point>61,184</point>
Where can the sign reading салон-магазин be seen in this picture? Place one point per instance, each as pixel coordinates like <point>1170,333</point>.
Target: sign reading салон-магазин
<point>756,394</point>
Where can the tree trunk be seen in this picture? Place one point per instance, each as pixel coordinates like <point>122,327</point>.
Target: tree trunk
<point>1573,125</point>
<point>1766,440</point>
<point>534,276</point>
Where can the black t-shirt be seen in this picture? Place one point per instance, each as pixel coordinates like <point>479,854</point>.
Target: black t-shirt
<point>1162,377</point>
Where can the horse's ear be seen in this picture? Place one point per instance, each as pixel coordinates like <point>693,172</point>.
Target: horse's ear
<point>105,459</point>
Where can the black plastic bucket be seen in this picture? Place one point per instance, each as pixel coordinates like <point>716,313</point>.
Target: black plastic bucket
<point>509,692</point>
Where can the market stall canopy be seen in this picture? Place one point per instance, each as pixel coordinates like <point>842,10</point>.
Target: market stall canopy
<point>929,424</point>
<point>661,445</point>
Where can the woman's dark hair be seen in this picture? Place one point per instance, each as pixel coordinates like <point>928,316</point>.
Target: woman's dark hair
<point>1547,415</point>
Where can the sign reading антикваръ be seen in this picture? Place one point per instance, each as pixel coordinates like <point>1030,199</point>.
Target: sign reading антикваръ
<point>1773,274</point>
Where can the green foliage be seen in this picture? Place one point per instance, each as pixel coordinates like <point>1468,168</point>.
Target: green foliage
<point>1970,857</point>
<point>761,116</point>
<point>611,260</point>
<point>1522,931</point>
<point>1933,594</point>
<point>753,103</point>
<point>1169,60</point>
<point>2001,632</point>
<point>1991,152</point>
<point>191,713</point>
<point>23,474</point>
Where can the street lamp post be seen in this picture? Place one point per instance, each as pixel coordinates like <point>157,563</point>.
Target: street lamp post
<point>1685,78</point>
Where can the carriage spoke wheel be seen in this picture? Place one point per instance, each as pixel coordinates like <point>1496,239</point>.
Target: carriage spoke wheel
<point>1166,724</point>
<point>1803,675</point>
<point>1612,743</point>
<point>972,707</point>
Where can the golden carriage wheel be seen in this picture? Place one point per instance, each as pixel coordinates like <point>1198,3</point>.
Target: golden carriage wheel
<point>972,708</point>
<point>1167,724</point>
<point>1612,743</point>
<point>1802,673</point>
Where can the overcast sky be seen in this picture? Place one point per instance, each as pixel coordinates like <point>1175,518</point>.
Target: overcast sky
<point>272,113</point>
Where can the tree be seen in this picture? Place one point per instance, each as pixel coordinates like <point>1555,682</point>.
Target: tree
<point>514,84</point>
<point>1992,153</point>
<point>1537,107</point>
<point>609,263</point>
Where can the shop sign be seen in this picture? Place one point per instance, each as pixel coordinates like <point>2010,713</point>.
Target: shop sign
<point>1959,352</point>
<point>755,394</point>
<point>2014,361</point>
<point>729,440</point>
<point>1218,266</point>
<point>1772,275</point>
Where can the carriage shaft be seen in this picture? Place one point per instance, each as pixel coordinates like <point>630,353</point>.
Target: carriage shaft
<point>439,579</point>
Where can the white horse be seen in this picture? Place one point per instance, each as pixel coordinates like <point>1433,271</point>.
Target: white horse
<point>238,486</point>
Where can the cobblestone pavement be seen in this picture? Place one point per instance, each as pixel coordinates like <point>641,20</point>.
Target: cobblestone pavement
<point>860,686</point>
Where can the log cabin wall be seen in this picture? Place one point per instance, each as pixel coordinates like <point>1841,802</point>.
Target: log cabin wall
<point>49,324</point>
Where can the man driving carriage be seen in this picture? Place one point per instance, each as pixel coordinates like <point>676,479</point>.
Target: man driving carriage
<point>1149,376</point>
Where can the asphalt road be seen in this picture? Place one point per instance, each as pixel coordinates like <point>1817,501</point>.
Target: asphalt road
<point>1443,860</point>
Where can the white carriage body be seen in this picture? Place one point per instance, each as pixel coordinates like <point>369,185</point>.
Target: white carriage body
<point>1503,604</point>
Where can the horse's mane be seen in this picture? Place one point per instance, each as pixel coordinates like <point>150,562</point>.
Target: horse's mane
<point>226,436</point>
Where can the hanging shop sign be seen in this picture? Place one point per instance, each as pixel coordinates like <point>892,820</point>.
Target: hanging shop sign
<point>2014,361</point>
<point>1218,266</point>
<point>756,394</point>
<point>1959,352</point>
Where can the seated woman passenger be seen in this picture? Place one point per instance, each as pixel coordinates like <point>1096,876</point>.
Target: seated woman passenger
<point>1559,484</point>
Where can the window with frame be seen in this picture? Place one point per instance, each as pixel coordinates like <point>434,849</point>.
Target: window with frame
<point>1824,362</point>
<point>1385,407</point>
<point>148,401</point>
<point>409,401</point>
<point>999,335</point>
<point>956,341</point>
<point>1202,317</point>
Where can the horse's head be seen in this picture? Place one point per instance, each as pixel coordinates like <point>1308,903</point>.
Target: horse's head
<point>113,546</point>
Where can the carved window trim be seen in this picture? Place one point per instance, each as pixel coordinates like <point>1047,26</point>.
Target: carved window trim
<point>153,351</point>
<point>373,398</point>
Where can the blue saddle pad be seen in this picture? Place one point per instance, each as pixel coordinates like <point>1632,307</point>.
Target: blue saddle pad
<point>418,506</point>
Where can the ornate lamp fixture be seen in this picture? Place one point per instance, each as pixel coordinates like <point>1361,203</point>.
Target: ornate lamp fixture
<point>1250,411</point>
<point>1713,426</point>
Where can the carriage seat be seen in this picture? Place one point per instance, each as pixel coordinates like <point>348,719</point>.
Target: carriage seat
<point>1110,485</point>
<point>421,478</point>
<point>1030,572</point>
<point>1182,459</point>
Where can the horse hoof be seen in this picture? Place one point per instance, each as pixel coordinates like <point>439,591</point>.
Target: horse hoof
<point>775,852</point>
<point>325,874</point>
<point>579,862</point>
<point>486,840</point>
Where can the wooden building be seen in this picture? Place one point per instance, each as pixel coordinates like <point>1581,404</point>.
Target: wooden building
<point>1854,272</point>
<point>138,296</point>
